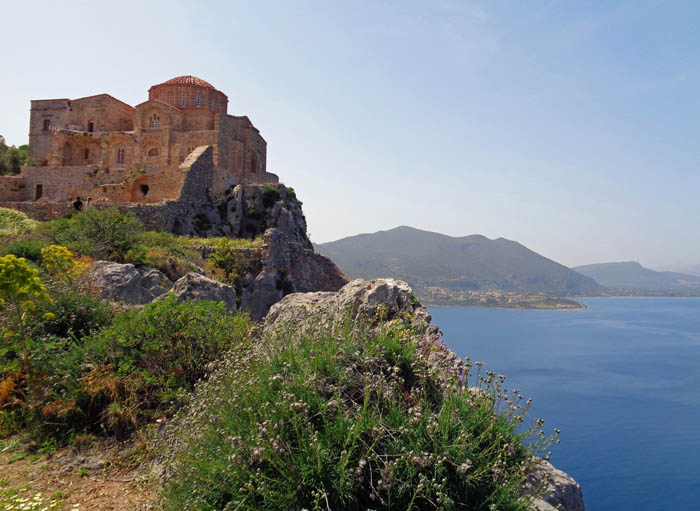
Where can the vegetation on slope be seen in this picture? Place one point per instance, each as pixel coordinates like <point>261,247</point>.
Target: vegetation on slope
<point>357,421</point>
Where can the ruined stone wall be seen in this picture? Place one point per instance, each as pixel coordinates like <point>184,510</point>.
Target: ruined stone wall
<point>11,188</point>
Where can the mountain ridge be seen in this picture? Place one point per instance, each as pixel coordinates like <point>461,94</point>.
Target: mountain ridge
<point>631,276</point>
<point>472,262</point>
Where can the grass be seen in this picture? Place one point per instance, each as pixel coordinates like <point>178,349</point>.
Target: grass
<point>14,222</point>
<point>355,422</point>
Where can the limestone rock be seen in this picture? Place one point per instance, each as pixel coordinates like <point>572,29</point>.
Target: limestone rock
<point>287,266</point>
<point>561,492</point>
<point>125,283</point>
<point>198,287</point>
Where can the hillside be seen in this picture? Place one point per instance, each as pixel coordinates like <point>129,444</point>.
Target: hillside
<point>427,259</point>
<point>633,278</point>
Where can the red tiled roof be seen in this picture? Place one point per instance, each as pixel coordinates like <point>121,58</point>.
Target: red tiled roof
<point>188,80</point>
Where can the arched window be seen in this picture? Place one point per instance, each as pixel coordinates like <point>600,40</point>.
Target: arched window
<point>199,100</point>
<point>47,124</point>
<point>153,152</point>
<point>120,155</point>
<point>155,121</point>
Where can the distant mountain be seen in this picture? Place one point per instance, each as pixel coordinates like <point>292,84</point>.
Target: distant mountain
<point>428,259</point>
<point>635,278</point>
<point>693,269</point>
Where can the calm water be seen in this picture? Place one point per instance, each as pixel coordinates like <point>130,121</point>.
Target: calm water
<point>620,379</point>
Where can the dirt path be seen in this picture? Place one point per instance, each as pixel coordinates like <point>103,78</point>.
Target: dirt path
<point>95,479</point>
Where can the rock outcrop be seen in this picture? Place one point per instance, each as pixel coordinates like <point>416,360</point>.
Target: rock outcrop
<point>194,286</point>
<point>561,492</point>
<point>286,263</point>
<point>373,302</point>
<point>126,283</point>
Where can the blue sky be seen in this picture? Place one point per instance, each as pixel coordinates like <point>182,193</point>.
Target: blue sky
<point>569,126</point>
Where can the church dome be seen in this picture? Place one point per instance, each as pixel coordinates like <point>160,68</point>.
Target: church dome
<point>188,80</point>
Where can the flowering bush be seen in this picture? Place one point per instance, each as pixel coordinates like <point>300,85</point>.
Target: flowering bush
<point>62,264</point>
<point>357,422</point>
<point>21,292</point>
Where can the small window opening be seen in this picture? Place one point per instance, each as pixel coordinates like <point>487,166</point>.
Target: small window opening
<point>47,124</point>
<point>155,121</point>
<point>38,192</point>
<point>91,127</point>
<point>199,100</point>
<point>153,152</point>
<point>120,155</point>
<point>170,98</point>
<point>253,165</point>
<point>211,103</point>
<point>144,190</point>
<point>183,100</point>
<point>87,153</point>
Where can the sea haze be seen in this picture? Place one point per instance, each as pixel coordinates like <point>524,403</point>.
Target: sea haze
<point>621,379</point>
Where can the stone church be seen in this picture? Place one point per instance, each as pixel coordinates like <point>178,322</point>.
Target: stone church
<point>102,148</point>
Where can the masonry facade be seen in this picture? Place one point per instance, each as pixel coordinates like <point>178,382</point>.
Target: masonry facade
<point>102,148</point>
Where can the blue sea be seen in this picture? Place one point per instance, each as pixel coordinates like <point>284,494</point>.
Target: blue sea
<point>621,379</point>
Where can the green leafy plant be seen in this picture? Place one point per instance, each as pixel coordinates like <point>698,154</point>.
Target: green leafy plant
<point>30,249</point>
<point>21,293</point>
<point>105,234</point>
<point>137,368</point>
<point>227,261</point>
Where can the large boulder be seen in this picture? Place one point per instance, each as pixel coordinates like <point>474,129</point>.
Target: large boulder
<point>126,283</point>
<point>360,301</point>
<point>198,287</point>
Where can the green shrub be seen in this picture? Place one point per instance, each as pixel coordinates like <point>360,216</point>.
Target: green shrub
<point>228,262</point>
<point>73,315</point>
<point>137,368</point>
<point>104,234</point>
<point>355,422</point>
<point>30,249</point>
<point>14,222</point>
<point>270,195</point>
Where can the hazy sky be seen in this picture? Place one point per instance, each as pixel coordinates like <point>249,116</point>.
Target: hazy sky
<point>571,127</point>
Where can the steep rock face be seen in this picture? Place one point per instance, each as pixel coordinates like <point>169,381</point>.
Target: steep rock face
<point>244,211</point>
<point>285,265</point>
<point>373,302</point>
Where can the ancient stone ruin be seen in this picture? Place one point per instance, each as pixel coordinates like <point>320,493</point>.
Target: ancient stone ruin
<point>180,145</point>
